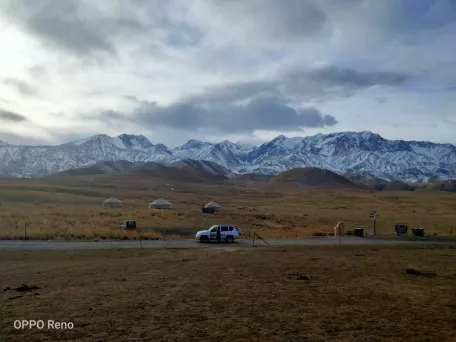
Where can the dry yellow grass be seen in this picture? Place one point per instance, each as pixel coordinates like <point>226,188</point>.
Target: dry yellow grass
<point>72,207</point>
<point>218,294</point>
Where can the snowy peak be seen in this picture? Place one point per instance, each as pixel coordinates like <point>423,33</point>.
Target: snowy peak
<point>100,140</point>
<point>128,142</point>
<point>228,147</point>
<point>245,146</point>
<point>193,144</point>
<point>347,140</point>
<point>279,139</point>
<point>135,142</point>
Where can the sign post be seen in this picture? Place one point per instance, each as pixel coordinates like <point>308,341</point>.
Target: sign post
<point>266,224</point>
<point>373,215</point>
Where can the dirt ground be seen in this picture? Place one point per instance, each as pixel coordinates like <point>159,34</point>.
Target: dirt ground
<point>337,293</point>
<point>71,208</point>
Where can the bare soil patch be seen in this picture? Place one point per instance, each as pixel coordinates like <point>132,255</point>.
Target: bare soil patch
<point>337,293</point>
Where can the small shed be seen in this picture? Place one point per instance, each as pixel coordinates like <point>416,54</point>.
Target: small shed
<point>401,229</point>
<point>160,203</point>
<point>112,202</point>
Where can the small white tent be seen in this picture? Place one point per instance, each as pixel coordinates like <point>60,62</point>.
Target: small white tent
<point>112,202</point>
<point>160,203</point>
<point>213,205</point>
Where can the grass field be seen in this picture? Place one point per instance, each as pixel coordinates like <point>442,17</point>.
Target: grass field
<point>71,208</point>
<point>337,293</point>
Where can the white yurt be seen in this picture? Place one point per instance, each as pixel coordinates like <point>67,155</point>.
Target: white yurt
<point>112,202</point>
<point>160,203</point>
<point>213,205</point>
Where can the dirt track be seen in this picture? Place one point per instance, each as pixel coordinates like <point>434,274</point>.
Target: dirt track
<point>314,241</point>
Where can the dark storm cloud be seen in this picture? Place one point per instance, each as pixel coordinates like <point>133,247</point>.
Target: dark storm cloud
<point>11,116</point>
<point>261,113</point>
<point>334,81</point>
<point>70,25</point>
<point>235,92</point>
<point>334,75</point>
<point>85,28</point>
<point>23,87</point>
<point>315,84</point>
<point>273,104</point>
<point>277,103</point>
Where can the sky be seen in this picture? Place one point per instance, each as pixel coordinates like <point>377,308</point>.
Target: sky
<point>214,70</point>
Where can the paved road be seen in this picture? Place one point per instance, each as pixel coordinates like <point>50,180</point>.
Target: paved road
<point>116,244</point>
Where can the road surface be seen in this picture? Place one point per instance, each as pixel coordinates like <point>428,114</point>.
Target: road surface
<point>120,244</point>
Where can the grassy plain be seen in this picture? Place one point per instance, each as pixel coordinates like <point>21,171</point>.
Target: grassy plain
<point>338,293</point>
<point>71,207</point>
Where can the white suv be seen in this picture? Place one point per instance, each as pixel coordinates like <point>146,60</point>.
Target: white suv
<point>228,232</point>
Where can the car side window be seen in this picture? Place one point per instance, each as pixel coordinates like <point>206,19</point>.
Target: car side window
<point>224,229</point>
<point>213,230</point>
<point>231,228</point>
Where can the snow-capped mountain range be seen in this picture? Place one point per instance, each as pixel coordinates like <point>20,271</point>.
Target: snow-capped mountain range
<point>348,153</point>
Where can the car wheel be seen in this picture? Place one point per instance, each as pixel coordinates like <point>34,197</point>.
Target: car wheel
<point>229,239</point>
<point>203,239</point>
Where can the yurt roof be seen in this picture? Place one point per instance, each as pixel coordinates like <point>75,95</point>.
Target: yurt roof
<point>112,200</point>
<point>160,201</point>
<point>213,204</point>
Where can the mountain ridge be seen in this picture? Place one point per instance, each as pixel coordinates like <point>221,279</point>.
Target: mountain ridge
<point>351,153</point>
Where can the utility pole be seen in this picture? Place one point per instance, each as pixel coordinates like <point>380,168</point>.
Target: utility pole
<point>25,231</point>
<point>374,215</point>
<point>266,224</point>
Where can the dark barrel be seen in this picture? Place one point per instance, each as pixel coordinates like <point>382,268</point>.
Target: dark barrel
<point>418,231</point>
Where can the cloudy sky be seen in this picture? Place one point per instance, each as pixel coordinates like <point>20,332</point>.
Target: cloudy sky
<point>211,70</point>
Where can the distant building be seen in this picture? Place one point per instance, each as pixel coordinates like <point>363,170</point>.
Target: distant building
<point>160,203</point>
<point>112,202</point>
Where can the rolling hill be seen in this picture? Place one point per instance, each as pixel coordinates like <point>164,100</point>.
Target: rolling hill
<point>195,173</point>
<point>376,184</point>
<point>255,177</point>
<point>186,170</point>
<point>312,176</point>
<point>98,169</point>
<point>397,186</point>
<point>204,165</point>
